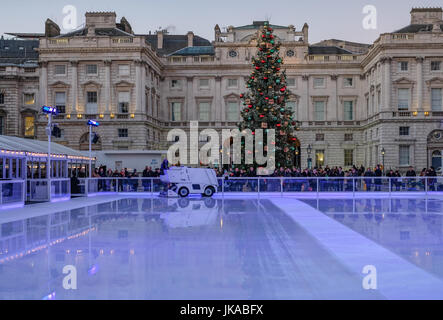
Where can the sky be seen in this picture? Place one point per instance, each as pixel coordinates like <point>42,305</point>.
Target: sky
<point>338,19</point>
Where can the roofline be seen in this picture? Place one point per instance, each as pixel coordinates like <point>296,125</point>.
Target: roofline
<point>348,52</point>
<point>25,35</point>
<point>346,41</point>
<point>430,9</point>
<point>168,55</point>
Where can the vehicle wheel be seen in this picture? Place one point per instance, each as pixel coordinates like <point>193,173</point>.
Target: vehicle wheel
<point>183,203</point>
<point>183,192</point>
<point>210,203</point>
<point>209,192</point>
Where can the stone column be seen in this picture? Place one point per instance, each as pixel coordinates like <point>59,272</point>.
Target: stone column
<point>74,86</point>
<point>217,105</point>
<point>420,83</point>
<point>361,111</point>
<point>305,99</point>
<point>43,83</point>
<point>149,84</point>
<point>138,86</point>
<point>143,89</point>
<point>191,110</point>
<point>335,107</point>
<point>152,102</point>
<point>108,99</point>
<point>371,109</point>
<point>386,89</point>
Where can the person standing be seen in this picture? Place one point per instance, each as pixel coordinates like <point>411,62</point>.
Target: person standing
<point>410,181</point>
<point>431,173</point>
<point>378,173</point>
<point>368,179</point>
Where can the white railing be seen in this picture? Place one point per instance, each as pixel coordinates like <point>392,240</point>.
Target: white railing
<point>12,193</point>
<point>274,185</point>
<point>38,191</point>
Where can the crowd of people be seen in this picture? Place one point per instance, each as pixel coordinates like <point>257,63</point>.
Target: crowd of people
<point>372,179</point>
<point>327,172</point>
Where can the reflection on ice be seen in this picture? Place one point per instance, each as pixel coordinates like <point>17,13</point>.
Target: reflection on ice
<point>170,249</point>
<point>411,228</point>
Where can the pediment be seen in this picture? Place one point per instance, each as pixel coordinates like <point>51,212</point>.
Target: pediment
<point>91,84</point>
<point>436,136</point>
<point>231,96</point>
<point>27,110</point>
<point>404,80</point>
<point>124,83</point>
<point>59,84</point>
<point>435,80</point>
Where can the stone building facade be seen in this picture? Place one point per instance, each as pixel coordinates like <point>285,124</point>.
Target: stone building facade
<point>352,100</point>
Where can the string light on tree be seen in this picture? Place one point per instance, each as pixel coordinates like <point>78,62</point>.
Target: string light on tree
<point>265,101</point>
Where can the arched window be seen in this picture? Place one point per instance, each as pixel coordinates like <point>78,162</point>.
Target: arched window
<point>437,160</point>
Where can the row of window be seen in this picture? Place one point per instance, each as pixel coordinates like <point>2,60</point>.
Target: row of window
<point>203,83</point>
<point>28,98</point>
<point>404,99</point>
<point>321,137</point>
<point>403,131</point>
<point>403,66</point>
<point>403,156</point>
<point>319,82</point>
<point>204,110</point>
<point>320,110</point>
<point>92,69</point>
<point>28,126</point>
<point>92,102</point>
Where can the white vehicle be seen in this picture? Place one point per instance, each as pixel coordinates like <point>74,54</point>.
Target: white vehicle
<point>183,181</point>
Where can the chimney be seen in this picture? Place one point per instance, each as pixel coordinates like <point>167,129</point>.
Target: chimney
<point>217,33</point>
<point>160,34</point>
<point>51,29</point>
<point>125,26</point>
<point>426,15</point>
<point>305,31</point>
<point>190,39</point>
<point>101,20</point>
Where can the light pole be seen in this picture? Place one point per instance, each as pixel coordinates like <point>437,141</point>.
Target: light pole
<point>383,152</point>
<point>309,157</point>
<point>91,123</point>
<point>49,111</point>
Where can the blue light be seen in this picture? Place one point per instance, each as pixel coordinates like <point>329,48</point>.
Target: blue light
<point>49,110</point>
<point>93,270</point>
<point>50,296</point>
<point>93,123</point>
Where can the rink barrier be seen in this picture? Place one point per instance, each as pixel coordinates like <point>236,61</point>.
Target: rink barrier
<point>273,185</point>
<point>12,194</point>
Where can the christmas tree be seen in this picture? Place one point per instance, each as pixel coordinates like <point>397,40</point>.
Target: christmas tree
<point>265,103</point>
